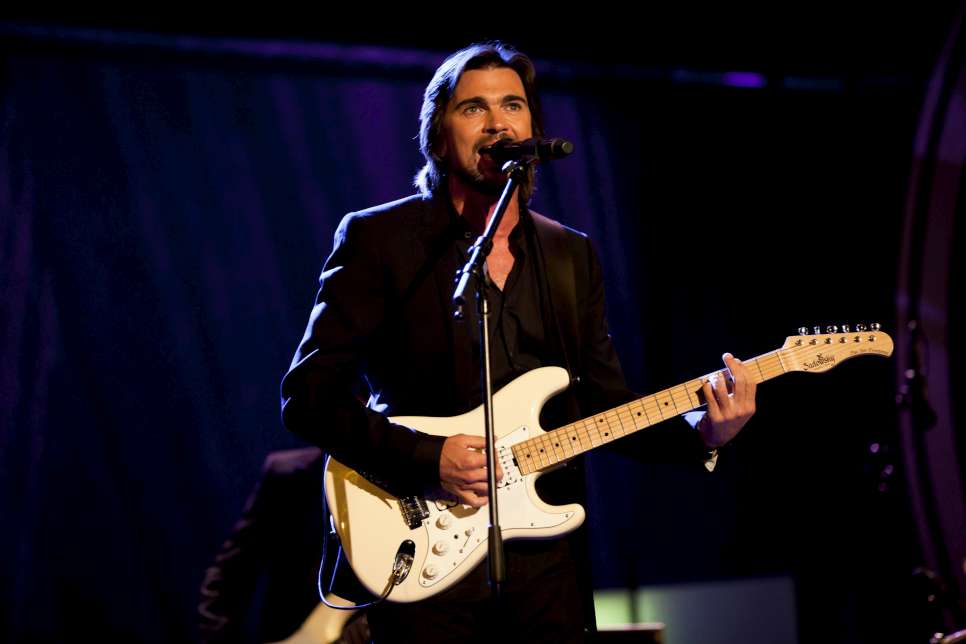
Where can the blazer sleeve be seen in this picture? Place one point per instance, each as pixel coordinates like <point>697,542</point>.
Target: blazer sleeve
<point>319,401</point>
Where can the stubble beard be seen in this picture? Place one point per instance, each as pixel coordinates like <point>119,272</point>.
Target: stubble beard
<point>475,180</point>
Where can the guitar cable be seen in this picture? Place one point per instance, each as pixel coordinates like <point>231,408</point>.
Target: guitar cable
<point>401,566</point>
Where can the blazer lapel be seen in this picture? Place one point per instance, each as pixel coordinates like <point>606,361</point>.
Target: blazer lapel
<point>436,234</point>
<point>561,280</point>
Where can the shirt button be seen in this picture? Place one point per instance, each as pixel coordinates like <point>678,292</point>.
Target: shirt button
<point>467,235</point>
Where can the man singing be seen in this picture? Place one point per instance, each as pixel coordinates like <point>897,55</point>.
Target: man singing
<point>383,321</point>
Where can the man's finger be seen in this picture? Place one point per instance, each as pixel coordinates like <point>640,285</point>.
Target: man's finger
<point>470,442</point>
<point>720,384</point>
<point>472,499</point>
<point>471,461</point>
<point>740,374</point>
<point>468,477</point>
<point>479,488</point>
<point>709,396</point>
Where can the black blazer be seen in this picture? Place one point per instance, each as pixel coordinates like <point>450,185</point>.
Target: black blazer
<point>384,309</point>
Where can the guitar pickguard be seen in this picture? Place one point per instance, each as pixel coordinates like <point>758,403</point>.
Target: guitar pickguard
<point>456,533</point>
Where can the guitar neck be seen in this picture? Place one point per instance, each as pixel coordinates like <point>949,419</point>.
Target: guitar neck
<point>568,441</point>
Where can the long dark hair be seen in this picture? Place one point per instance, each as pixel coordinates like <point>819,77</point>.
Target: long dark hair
<point>485,55</point>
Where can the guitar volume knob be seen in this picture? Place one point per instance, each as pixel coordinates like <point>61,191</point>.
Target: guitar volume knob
<point>430,572</point>
<point>444,521</point>
<point>440,548</point>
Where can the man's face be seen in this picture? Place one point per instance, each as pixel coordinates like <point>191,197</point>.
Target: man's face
<point>487,105</point>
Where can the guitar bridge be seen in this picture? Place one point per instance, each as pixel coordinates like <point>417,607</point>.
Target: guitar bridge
<point>414,511</point>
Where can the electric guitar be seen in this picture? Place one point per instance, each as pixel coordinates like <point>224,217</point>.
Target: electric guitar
<point>446,540</point>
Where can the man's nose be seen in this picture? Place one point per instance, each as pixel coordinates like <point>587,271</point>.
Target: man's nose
<point>495,122</point>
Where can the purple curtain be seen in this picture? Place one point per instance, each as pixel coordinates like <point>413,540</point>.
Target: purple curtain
<point>164,219</point>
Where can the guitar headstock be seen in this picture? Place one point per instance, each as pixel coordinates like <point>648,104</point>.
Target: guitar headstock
<point>816,351</point>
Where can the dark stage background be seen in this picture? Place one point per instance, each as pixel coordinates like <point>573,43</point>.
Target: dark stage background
<point>166,206</point>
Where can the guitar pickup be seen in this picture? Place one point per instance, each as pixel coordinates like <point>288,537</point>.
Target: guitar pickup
<point>414,511</point>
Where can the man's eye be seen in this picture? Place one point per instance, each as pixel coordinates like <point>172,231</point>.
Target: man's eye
<point>514,107</point>
<point>471,109</point>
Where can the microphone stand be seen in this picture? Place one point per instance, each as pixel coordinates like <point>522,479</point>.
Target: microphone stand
<point>472,272</point>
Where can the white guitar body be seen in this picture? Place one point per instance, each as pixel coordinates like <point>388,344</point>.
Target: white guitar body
<point>452,539</point>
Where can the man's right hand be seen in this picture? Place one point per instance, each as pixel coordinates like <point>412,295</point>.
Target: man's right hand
<point>462,469</point>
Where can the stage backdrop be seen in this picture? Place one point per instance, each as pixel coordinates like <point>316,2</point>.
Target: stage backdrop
<point>166,209</point>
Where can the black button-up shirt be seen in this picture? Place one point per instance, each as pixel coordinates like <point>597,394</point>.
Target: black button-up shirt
<point>518,337</point>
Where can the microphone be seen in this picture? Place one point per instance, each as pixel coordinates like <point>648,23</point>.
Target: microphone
<point>542,149</point>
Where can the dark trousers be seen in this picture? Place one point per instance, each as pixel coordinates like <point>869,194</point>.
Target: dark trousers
<point>541,602</point>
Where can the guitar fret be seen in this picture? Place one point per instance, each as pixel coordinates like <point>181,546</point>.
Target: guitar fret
<point>594,430</point>
<point>621,429</point>
<point>604,426</point>
<point>780,361</point>
<point>587,440</point>
<point>575,441</point>
<point>642,410</point>
<point>629,421</point>
<point>697,386</point>
<point>609,430</point>
<point>551,451</point>
<point>691,404</point>
<point>560,438</point>
<point>554,443</point>
<point>552,446</point>
<point>660,407</point>
<point>541,454</point>
<point>546,450</point>
<point>615,427</point>
<point>520,453</point>
<point>568,434</point>
<point>583,439</point>
<point>757,362</point>
<point>676,393</point>
<point>565,440</point>
<point>548,447</point>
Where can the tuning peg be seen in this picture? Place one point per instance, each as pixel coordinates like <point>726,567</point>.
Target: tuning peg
<point>803,330</point>
<point>875,326</point>
<point>846,328</point>
<point>831,329</point>
<point>817,330</point>
<point>861,328</point>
